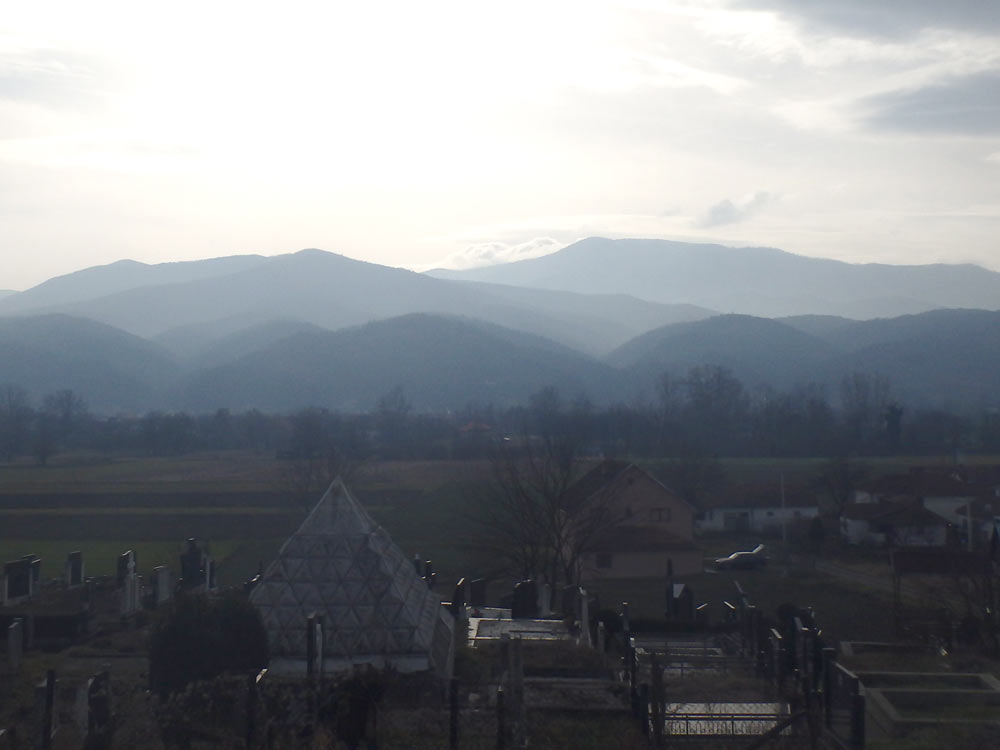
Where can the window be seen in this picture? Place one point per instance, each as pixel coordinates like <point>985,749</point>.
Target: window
<point>659,514</point>
<point>603,561</point>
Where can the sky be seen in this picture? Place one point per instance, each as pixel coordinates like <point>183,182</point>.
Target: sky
<point>461,133</point>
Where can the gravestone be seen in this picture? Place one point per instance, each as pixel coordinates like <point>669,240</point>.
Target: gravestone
<point>163,586</point>
<point>458,599</point>
<point>99,726</point>
<point>314,646</point>
<point>192,566</point>
<point>18,581</point>
<point>197,567</point>
<point>74,569</point>
<point>48,717</point>
<point>122,564</point>
<point>477,592</point>
<point>129,585</point>
<point>15,644</point>
<point>525,604</point>
<point>584,618</point>
<point>36,574</point>
<point>210,573</point>
<point>680,602</point>
<point>544,600</point>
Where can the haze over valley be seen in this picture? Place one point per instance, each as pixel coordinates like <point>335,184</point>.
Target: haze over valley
<point>601,319</point>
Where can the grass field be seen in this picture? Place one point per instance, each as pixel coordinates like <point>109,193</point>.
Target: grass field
<point>239,501</point>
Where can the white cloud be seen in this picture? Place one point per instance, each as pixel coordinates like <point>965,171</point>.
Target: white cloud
<point>495,253</point>
<point>730,212</point>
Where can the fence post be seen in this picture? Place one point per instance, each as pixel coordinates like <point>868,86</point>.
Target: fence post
<point>453,714</point>
<point>828,657</point>
<point>658,707</point>
<point>517,694</point>
<point>48,711</point>
<point>858,722</point>
<point>501,720</point>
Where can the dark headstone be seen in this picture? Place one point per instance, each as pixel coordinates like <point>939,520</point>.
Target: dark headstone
<point>458,599</point>
<point>18,574</point>
<point>477,592</point>
<point>99,726</point>
<point>314,646</point>
<point>74,569</point>
<point>122,566</point>
<point>193,563</point>
<point>525,603</point>
<point>680,602</point>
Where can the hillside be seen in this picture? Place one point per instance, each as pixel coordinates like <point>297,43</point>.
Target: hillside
<point>752,280</point>
<point>440,363</point>
<point>942,358</point>
<point>101,281</point>
<point>757,350</point>
<point>190,306</point>
<point>109,368</point>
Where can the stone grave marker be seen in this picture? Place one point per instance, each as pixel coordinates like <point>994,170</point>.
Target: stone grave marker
<point>525,604</point>
<point>192,566</point>
<point>74,569</point>
<point>15,644</point>
<point>163,586</point>
<point>477,592</point>
<point>458,599</point>
<point>99,726</point>
<point>129,585</point>
<point>18,580</point>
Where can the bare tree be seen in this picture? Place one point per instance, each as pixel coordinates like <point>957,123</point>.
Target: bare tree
<point>317,455</point>
<point>840,477</point>
<point>15,420</point>
<point>535,525</point>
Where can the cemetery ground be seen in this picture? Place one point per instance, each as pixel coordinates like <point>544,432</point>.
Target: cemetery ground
<point>245,506</point>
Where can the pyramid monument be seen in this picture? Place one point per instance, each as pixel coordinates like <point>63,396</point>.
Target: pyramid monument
<point>344,567</point>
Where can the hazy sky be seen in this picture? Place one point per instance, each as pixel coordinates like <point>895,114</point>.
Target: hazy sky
<point>419,133</point>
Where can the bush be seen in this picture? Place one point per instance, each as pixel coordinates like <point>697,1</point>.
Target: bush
<point>198,638</point>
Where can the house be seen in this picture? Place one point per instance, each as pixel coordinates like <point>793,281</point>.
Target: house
<point>342,567</point>
<point>984,512</point>
<point>939,489</point>
<point>895,522</point>
<point>757,508</point>
<point>646,527</point>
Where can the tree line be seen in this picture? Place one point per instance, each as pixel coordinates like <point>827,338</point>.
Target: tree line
<point>706,410</point>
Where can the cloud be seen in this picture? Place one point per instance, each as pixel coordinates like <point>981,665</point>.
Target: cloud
<point>865,18</point>
<point>728,212</point>
<point>969,105</point>
<point>994,158</point>
<point>55,78</point>
<point>495,253</point>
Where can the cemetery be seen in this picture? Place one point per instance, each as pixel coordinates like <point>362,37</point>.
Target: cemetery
<point>369,646</point>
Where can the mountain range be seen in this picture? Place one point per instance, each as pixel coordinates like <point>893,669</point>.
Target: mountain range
<point>752,280</point>
<point>601,317</point>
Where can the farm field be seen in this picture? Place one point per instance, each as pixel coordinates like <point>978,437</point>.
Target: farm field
<point>245,506</point>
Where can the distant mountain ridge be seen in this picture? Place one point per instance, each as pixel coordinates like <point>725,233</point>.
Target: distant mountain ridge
<point>940,359</point>
<point>441,363</point>
<point>758,281</point>
<point>328,290</point>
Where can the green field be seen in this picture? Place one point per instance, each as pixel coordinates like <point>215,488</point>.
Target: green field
<point>243,505</point>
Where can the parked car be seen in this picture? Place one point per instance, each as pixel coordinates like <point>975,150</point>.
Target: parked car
<point>743,560</point>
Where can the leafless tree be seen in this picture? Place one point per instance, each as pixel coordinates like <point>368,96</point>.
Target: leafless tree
<point>533,523</point>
